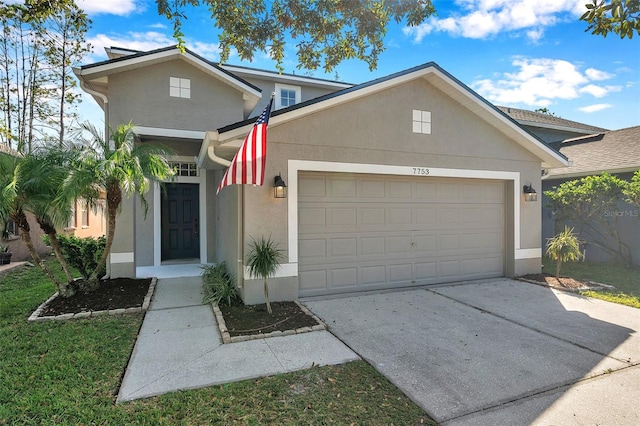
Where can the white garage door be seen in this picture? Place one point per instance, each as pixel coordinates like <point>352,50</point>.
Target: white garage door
<point>368,232</point>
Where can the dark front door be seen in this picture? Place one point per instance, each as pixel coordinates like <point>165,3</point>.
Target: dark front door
<point>180,222</point>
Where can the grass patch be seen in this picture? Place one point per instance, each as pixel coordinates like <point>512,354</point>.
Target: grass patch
<point>625,280</point>
<point>69,372</point>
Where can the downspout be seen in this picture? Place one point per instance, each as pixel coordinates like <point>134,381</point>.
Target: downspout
<point>211,152</point>
<point>105,101</point>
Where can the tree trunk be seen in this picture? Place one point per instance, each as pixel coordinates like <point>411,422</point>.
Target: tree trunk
<point>558,265</point>
<point>21,220</point>
<point>55,245</point>
<point>266,297</point>
<point>114,198</point>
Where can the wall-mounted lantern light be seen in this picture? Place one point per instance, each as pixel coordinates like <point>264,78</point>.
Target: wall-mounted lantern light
<point>279,187</point>
<point>529,193</point>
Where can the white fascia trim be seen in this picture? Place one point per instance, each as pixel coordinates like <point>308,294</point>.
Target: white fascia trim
<point>296,166</point>
<point>168,133</point>
<point>292,78</point>
<point>126,257</point>
<point>590,172</point>
<point>248,91</point>
<point>283,271</point>
<point>534,253</point>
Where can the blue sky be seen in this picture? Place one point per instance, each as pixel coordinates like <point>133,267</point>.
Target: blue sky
<point>521,53</point>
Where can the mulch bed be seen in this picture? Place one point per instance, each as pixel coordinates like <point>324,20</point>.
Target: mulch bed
<point>246,320</point>
<point>113,294</point>
<point>564,283</point>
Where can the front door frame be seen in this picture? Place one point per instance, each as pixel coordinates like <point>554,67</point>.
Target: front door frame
<point>201,180</point>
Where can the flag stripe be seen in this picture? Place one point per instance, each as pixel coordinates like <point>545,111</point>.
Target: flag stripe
<point>249,163</point>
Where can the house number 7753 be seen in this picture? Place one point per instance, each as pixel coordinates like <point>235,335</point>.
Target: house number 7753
<point>420,171</point>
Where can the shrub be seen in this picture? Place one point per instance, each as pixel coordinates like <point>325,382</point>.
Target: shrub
<point>219,285</point>
<point>563,248</point>
<point>263,261</point>
<point>82,253</point>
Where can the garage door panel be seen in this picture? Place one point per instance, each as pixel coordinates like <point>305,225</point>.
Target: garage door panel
<point>344,277</point>
<point>371,232</point>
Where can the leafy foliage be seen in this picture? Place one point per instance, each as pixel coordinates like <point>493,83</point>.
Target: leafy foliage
<point>621,17</point>
<point>41,42</point>
<point>117,166</point>
<point>632,191</point>
<point>588,203</point>
<point>82,253</point>
<point>263,261</point>
<point>219,285</point>
<point>564,247</point>
<point>326,32</point>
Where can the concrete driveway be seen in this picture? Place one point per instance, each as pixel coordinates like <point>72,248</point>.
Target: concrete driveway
<point>498,352</point>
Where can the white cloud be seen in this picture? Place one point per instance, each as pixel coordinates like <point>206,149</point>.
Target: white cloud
<point>599,91</point>
<point>541,81</point>
<point>595,74</point>
<point>595,107</point>
<point>158,25</point>
<point>485,18</point>
<point>111,7</point>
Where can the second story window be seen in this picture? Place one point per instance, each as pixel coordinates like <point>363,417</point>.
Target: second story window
<point>179,87</point>
<point>287,95</point>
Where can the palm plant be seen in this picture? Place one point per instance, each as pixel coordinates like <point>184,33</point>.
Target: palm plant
<point>563,247</point>
<point>118,166</point>
<point>27,183</point>
<point>263,261</point>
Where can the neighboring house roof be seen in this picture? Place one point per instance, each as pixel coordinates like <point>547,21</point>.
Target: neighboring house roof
<point>435,75</point>
<point>548,121</point>
<point>616,151</point>
<point>4,148</point>
<point>97,74</point>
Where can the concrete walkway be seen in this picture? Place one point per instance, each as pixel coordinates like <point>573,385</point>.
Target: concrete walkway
<point>498,352</point>
<point>179,347</point>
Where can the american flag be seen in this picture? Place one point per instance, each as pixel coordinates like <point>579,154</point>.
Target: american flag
<point>249,162</point>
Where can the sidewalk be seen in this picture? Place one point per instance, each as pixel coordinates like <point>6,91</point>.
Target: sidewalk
<point>179,347</point>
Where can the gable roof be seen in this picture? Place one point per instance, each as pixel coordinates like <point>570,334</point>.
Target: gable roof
<point>435,75</point>
<point>616,151</point>
<point>539,119</point>
<point>97,74</point>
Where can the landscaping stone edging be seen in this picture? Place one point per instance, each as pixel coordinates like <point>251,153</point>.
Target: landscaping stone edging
<point>226,337</point>
<point>35,316</point>
<point>596,286</point>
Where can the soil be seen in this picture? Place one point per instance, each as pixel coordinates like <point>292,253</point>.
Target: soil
<point>244,320</point>
<point>565,283</point>
<point>112,294</point>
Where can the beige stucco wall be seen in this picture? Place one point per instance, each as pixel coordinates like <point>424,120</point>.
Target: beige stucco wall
<point>378,130</point>
<point>142,96</point>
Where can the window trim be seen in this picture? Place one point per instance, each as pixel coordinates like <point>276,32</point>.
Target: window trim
<point>180,87</point>
<point>279,87</point>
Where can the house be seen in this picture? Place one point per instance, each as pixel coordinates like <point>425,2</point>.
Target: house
<point>405,180</point>
<point>616,152</point>
<point>10,233</point>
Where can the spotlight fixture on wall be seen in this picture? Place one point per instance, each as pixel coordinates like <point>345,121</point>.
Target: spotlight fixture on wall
<point>529,193</point>
<point>279,187</point>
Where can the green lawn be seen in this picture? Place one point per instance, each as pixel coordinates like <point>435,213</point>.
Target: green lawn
<point>68,373</point>
<point>625,280</point>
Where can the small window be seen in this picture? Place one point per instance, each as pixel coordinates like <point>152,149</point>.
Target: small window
<point>10,230</point>
<point>185,169</point>
<point>287,95</point>
<point>85,215</point>
<point>72,217</point>
<point>179,87</point>
<point>422,122</point>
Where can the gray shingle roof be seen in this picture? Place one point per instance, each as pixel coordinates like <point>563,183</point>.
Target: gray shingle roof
<point>613,151</point>
<point>523,115</point>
